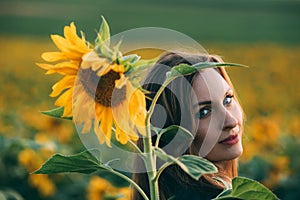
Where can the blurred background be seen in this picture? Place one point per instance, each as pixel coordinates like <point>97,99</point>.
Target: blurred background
<point>263,34</point>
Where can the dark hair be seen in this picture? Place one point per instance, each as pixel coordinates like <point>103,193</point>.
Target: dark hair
<point>173,180</point>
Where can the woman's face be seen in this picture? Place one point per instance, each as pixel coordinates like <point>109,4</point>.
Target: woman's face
<point>220,118</point>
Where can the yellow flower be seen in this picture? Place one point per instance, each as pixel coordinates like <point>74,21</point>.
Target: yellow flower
<point>98,188</point>
<point>95,91</point>
<point>29,159</point>
<point>104,97</point>
<point>43,183</point>
<point>32,161</point>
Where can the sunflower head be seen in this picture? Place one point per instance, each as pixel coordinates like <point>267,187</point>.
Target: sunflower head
<point>98,81</point>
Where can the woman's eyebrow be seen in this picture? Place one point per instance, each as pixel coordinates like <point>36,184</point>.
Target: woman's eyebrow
<point>203,103</point>
<point>228,92</point>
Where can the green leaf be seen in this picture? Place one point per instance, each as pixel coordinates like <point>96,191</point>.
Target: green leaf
<point>102,42</point>
<point>83,162</point>
<point>194,166</point>
<point>167,134</point>
<point>117,54</point>
<point>185,69</point>
<point>137,69</point>
<point>104,33</point>
<point>156,130</point>
<point>248,189</point>
<point>163,155</point>
<point>132,58</point>
<point>56,112</point>
<point>112,197</point>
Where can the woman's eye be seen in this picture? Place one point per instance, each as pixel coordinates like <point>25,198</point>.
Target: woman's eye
<point>203,112</point>
<point>228,100</point>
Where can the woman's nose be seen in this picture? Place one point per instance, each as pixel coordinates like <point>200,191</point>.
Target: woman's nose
<point>230,121</point>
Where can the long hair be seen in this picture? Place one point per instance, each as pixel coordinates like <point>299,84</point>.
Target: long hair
<point>172,104</point>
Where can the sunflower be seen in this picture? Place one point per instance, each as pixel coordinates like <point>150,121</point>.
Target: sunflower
<point>95,91</point>
<point>114,101</point>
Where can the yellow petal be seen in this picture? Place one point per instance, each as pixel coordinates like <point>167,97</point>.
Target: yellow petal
<point>86,126</point>
<point>118,68</point>
<point>137,103</point>
<point>121,136</point>
<point>137,108</point>
<point>133,136</point>
<point>73,55</point>
<point>63,71</point>
<point>65,68</point>
<point>65,83</point>
<point>65,100</point>
<point>71,35</point>
<point>66,64</point>
<point>101,63</point>
<point>61,43</point>
<point>121,82</point>
<point>104,70</point>
<point>142,130</point>
<point>45,66</point>
<point>62,99</point>
<point>50,71</point>
<point>92,60</point>
<point>67,110</point>
<point>121,117</point>
<point>53,56</point>
<point>106,126</point>
<point>99,109</point>
<point>82,114</point>
<point>100,135</point>
<point>67,48</point>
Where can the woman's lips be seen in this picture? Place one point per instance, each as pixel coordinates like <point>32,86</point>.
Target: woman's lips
<point>231,139</point>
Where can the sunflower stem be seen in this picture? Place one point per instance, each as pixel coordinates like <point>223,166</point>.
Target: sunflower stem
<point>157,95</point>
<point>151,169</point>
<point>150,157</point>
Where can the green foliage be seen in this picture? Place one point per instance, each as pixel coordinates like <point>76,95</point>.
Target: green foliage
<point>10,194</point>
<point>112,197</point>
<point>185,69</point>
<point>194,166</point>
<point>257,168</point>
<point>102,42</point>
<point>83,162</point>
<point>137,68</point>
<point>104,32</point>
<point>57,113</point>
<point>247,189</point>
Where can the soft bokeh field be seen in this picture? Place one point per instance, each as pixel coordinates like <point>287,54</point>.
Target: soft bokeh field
<point>268,90</point>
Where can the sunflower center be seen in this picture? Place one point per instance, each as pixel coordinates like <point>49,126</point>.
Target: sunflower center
<point>102,89</point>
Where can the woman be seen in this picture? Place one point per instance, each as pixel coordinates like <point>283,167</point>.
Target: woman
<point>209,109</point>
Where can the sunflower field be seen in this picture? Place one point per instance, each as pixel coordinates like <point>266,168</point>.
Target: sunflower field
<point>268,90</point>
